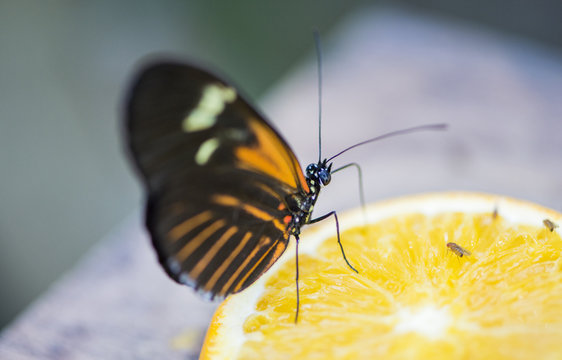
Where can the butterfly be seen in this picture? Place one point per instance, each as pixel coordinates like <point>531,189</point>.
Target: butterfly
<point>225,191</point>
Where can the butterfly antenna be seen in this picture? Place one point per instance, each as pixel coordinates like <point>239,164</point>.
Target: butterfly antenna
<point>319,68</point>
<point>394,133</point>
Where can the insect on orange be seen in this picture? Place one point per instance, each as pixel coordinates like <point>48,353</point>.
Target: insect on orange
<point>550,225</point>
<point>225,192</point>
<point>458,250</point>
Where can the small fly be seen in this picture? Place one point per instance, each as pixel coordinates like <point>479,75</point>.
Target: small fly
<point>458,250</point>
<point>550,225</point>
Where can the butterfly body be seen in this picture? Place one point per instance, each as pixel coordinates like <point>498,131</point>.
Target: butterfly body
<point>225,191</point>
<point>317,175</point>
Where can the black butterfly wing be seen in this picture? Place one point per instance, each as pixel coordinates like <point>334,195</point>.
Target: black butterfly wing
<point>217,177</point>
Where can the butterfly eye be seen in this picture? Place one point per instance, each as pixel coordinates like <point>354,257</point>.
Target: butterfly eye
<point>324,176</point>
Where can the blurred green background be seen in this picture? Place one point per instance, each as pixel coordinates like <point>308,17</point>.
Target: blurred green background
<point>63,66</point>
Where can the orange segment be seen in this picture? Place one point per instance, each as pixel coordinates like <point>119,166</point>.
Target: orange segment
<point>412,297</point>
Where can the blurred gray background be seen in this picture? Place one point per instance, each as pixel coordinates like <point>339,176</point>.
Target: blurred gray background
<point>63,66</point>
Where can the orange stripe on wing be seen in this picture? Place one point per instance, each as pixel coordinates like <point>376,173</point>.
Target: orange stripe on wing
<point>217,274</point>
<point>182,229</point>
<point>264,241</point>
<point>278,252</point>
<point>253,159</point>
<point>270,191</point>
<point>227,200</point>
<point>271,156</point>
<point>302,180</point>
<point>241,282</point>
<point>195,242</point>
<point>279,249</point>
<point>209,255</point>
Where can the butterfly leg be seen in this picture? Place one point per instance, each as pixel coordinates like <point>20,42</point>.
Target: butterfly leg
<point>297,277</point>
<point>361,188</point>
<point>338,232</point>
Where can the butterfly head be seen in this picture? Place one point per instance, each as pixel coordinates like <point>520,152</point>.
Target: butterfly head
<point>319,174</point>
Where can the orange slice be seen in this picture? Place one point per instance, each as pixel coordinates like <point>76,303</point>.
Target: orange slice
<point>413,296</point>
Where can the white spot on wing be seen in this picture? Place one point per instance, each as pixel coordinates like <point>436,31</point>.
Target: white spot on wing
<point>206,150</point>
<point>173,265</point>
<point>186,280</point>
<point>212,103</point>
